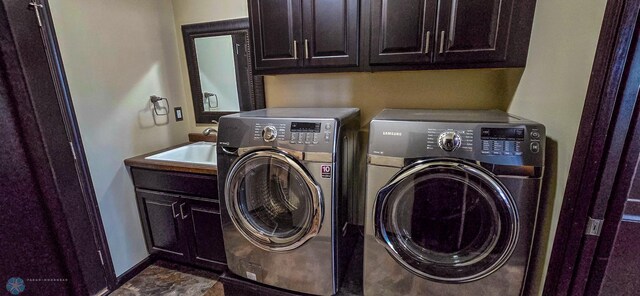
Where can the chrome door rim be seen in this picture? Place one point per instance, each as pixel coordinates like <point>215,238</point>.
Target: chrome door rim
<point>253,235</point>
<point>383,194</point>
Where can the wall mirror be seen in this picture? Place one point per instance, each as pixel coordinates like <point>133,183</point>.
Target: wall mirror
<point>220,73</point>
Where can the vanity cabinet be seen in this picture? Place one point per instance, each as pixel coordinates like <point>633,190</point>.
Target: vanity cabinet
<point>180,216</point>
<point>299,34</point>
<point>205,232</point>
<point>444,31</point>
<point>164,230</point>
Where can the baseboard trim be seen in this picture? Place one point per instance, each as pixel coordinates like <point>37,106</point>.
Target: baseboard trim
<point>133,271</point>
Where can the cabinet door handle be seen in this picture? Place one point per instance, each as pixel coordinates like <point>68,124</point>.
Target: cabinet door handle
<point>306,49</point>
<point>182,211</point>
<point>442,42</point>
<point>173,209</point>
<point>295,49</point>
<point>427,44</point>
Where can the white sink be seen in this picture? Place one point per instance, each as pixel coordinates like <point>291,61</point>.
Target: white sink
<point>200,153</point>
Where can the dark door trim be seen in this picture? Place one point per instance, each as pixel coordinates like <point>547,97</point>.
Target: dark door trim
<point>597,154</point>
<point>67,113</point>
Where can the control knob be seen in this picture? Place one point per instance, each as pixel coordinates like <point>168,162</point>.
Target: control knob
<point>449,141</point>
<point>269,133</point>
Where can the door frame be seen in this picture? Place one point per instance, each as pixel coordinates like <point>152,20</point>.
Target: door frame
<point>64,104</point>
<point>73,129</point>
<point>598,154</point>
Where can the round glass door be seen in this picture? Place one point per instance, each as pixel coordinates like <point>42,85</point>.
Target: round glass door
<point>273,201</point>
<point>447,221</point>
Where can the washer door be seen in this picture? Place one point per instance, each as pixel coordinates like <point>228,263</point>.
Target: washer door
<point>273,201</point>
<point>447,221</point>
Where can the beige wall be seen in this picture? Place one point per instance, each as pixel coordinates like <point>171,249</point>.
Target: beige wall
<point>200,11</point>
<point>371,92</point>
<point>553,86</point>
<point>116,54</point>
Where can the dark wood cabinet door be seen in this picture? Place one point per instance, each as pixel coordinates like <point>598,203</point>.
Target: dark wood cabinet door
<point>277,33</point>
<point>330,33</point>
<point>472,31</point>
<point>205,233</point>
<point>161,224</point>
<point>402,31</point>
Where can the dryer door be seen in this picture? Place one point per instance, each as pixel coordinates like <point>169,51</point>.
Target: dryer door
<point>273,201</point>
<point>447,220</point>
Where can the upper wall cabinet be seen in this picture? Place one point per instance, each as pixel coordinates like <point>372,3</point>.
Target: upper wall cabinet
<point>298,34</point>
<point>301,36</point>
<point>445,31</point>
<point>402,31</point>
<point>471,31</point>
<point>277,30</point>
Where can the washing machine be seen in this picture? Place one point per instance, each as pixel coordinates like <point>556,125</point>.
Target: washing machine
<point>285,180</point>
<point>451,202</point>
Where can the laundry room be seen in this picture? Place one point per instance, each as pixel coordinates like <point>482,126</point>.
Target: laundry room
<point>302,147</point>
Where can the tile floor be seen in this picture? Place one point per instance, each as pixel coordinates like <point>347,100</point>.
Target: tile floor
<point>170,279</point>
<point>162,278</point>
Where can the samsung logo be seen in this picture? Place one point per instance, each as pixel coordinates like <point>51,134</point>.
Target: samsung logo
<point>395,134</point>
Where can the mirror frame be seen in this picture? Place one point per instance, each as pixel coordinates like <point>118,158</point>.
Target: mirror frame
<point>250,87</point>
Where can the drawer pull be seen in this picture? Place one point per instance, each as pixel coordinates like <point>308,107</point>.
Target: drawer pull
<point>182,211</point>
<point>173,209</point>
<point>306,49</point>
<point>427,43</point>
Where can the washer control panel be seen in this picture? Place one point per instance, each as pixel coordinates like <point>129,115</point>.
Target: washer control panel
<point>294,132</point>
<point>306,133</point>
<point>269,132</point>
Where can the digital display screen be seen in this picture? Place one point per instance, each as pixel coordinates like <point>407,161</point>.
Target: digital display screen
<point>305,127</point>
<point>511,134</point>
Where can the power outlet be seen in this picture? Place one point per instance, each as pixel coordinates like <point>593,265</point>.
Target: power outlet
<point>178,112</point>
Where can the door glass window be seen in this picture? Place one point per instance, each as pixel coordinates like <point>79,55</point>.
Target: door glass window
<point>272,200</point>
<point>447,223</point>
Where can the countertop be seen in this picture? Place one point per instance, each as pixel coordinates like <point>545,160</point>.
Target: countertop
<point>140,161</point>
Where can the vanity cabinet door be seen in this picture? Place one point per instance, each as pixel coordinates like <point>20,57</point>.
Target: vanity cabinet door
<point>277,33</point>
<point>330,33</point>
<point>471,31</point>
<point>402,31</point>
<point>162,224</point>
<point>205,232</point>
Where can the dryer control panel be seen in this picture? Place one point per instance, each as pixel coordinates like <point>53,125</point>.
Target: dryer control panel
<point>441,138</point>
<point>497,143</point>
<point>509,141</point>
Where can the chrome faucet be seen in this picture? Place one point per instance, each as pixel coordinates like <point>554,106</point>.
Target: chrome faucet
<point>209,130</point>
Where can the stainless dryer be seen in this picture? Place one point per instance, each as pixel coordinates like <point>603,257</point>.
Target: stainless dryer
<point>451,206</point>
<point>285,177</point>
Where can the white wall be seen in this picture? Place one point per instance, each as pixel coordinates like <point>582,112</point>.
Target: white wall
<point>218,71</point>
<point>116,54</point>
